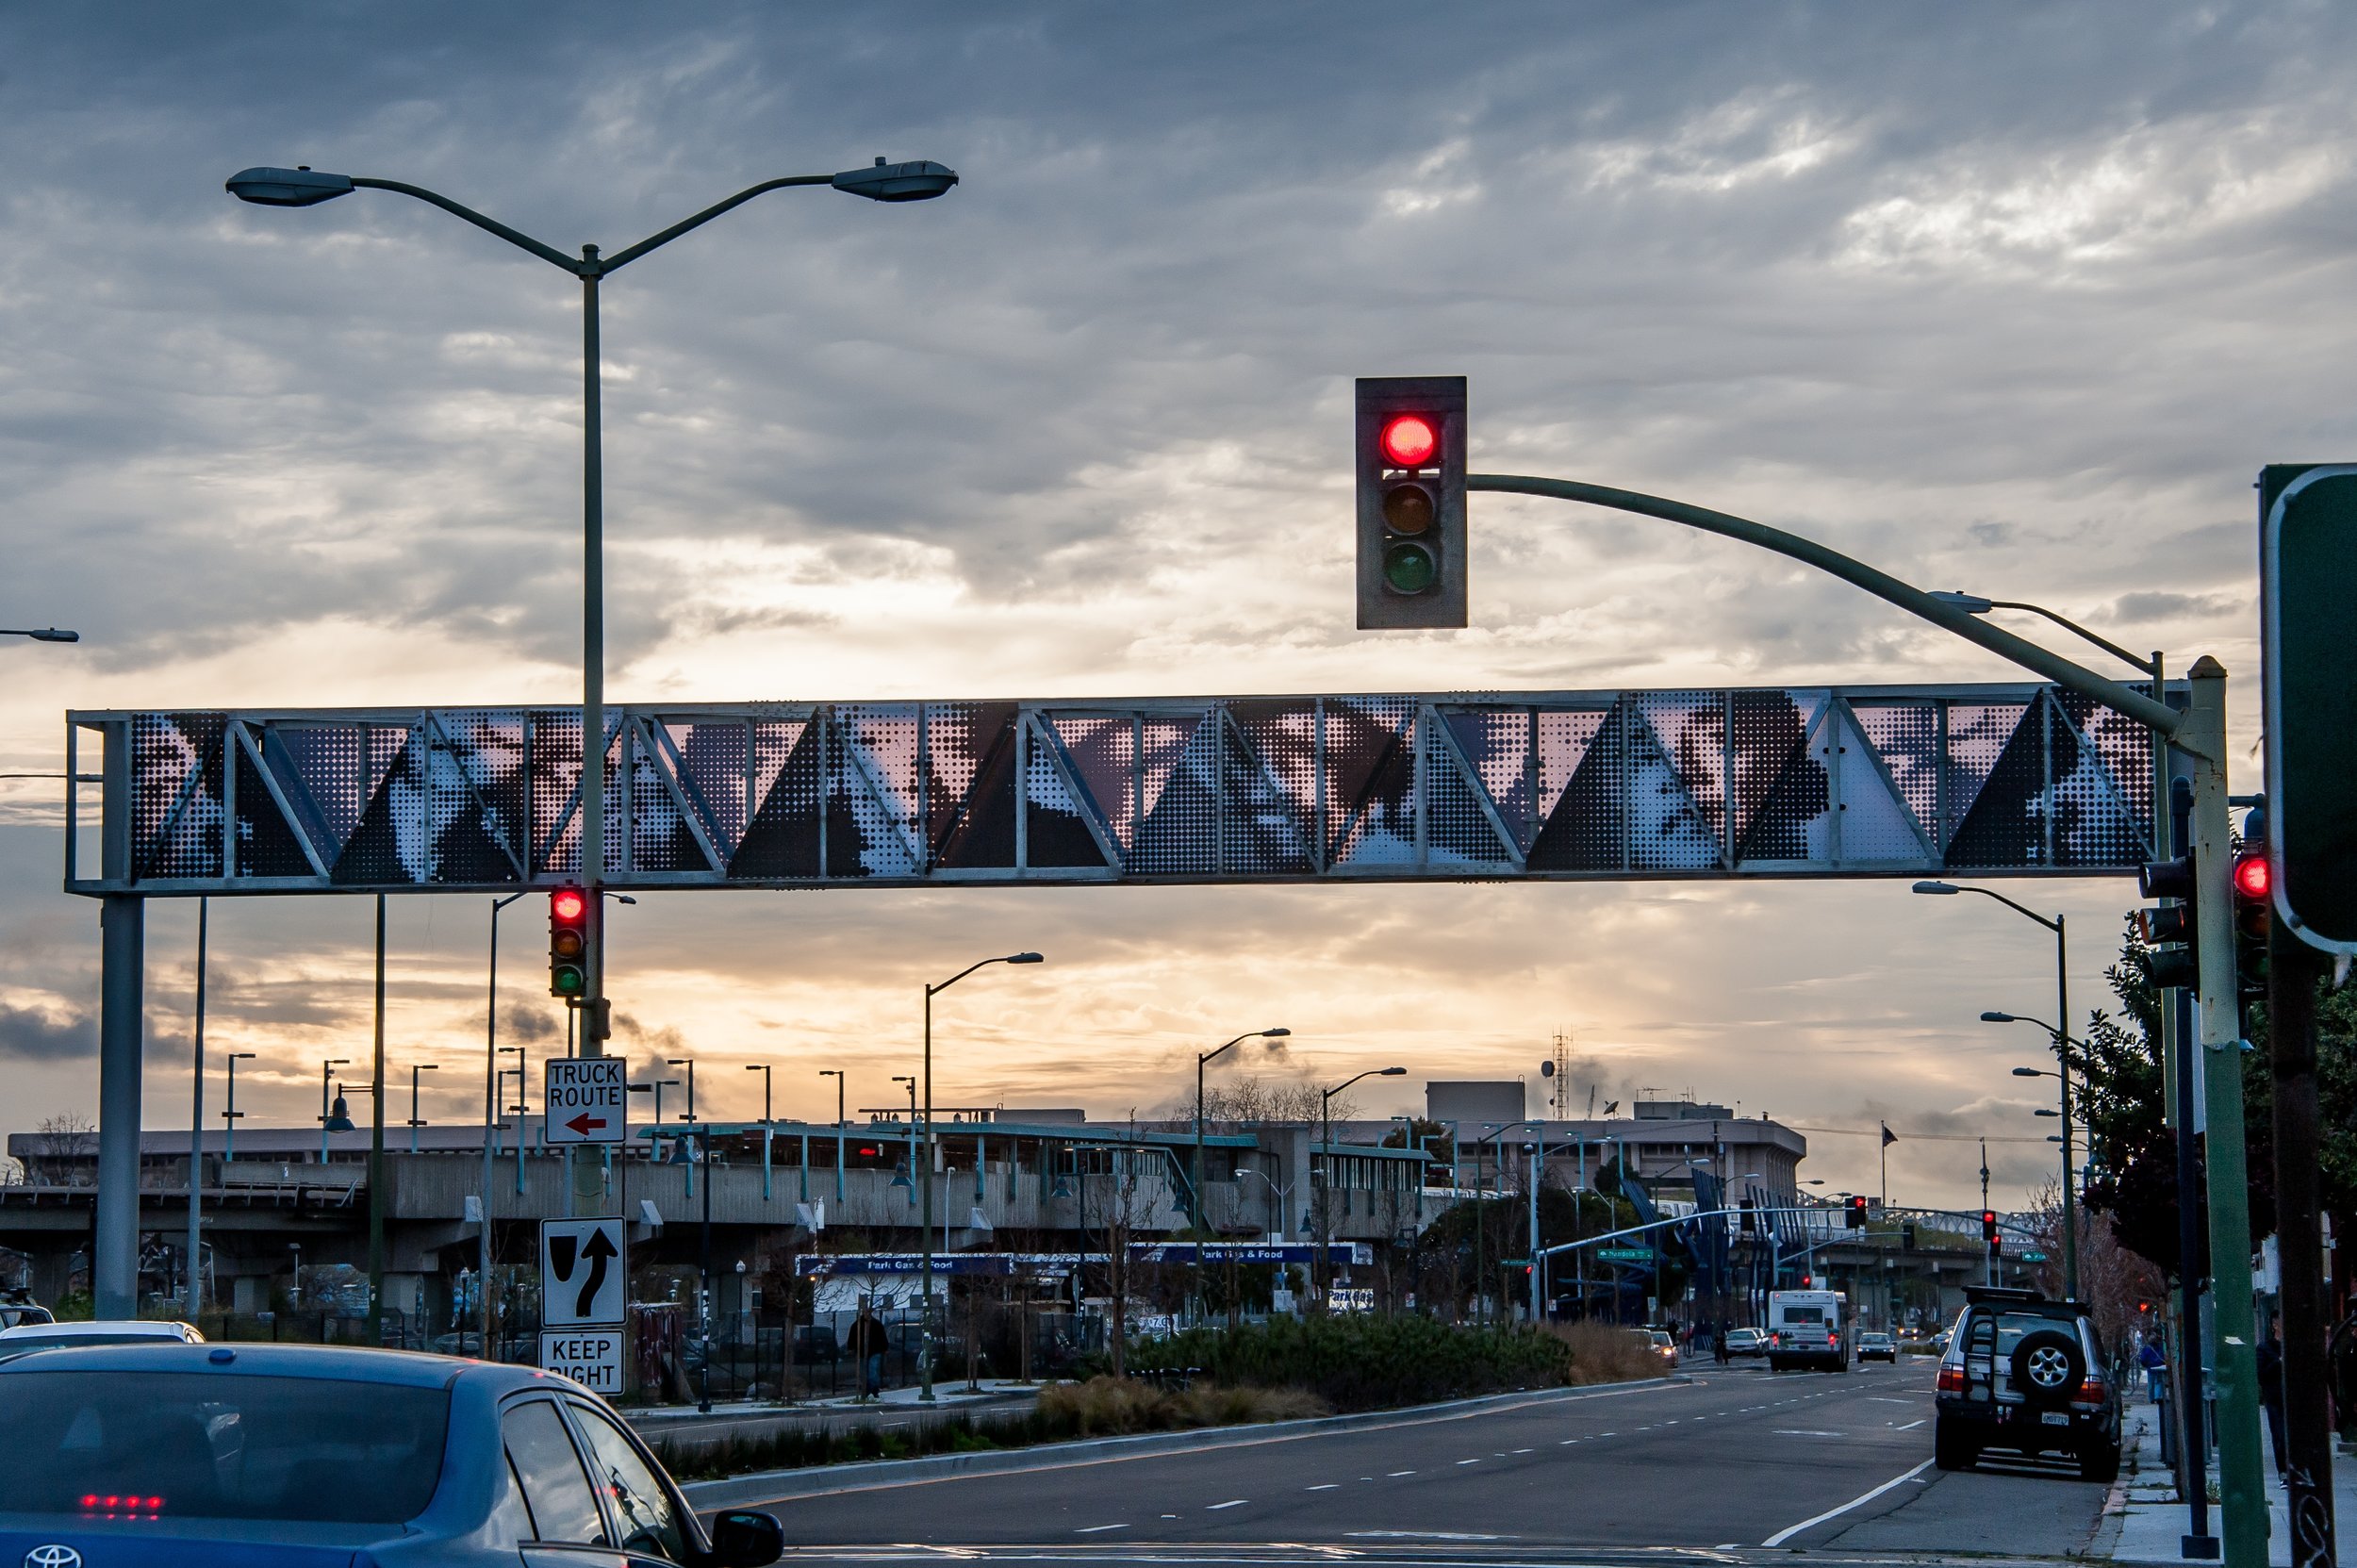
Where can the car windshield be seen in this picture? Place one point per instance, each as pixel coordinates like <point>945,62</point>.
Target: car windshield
<point>213,1445</point>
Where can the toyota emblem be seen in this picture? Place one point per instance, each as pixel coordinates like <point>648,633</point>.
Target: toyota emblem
<point>52,1555</point>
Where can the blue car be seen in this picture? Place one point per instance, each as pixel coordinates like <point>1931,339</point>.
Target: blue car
<point>285,1456</point>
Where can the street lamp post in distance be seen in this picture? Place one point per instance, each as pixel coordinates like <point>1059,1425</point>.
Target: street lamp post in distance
<point>763,1068</point>
<point>1194,1179</point>
<point>2070,1176</point>
<point>1324,1272</point>
<point>230,1114</point>
<point>2062,1013</point>
<point>42,634</point>
<point>415,1069</point>
<point>924,1176</point>
<point>302,186</point>
<point>689,1063</point>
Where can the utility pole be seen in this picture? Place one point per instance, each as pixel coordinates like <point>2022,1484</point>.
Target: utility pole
<point>1989,1247</point>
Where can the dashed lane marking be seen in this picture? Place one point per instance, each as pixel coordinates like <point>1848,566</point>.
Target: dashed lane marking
<point>1397,1474</point>
<point>1469,1461</point>
<point>1328,1486</point>
<point>1099,1529</point>
<point>1232,1502</point>
<point>1912,1425</point>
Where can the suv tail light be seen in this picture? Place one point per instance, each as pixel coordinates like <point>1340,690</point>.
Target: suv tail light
<point>2091,1392</point>
<point>1951,1379</point>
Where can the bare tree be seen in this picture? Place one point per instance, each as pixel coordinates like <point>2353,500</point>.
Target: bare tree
<point>1119,1202</point>
<point>1247,1098</point>
<point>62,1148</point>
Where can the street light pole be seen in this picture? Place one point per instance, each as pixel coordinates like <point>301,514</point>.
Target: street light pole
<point>490,1120</point>
<point>327,1076</point>
<point>415,1069</point>
<point>1194,1180</point>
<point>689,1063</point>
<point>304,186</point>
<point>763,1068</point>
<point>2062,1019</point>
<point>196,1119</point>
<point>1325,1270</point>
<point>925,1178</point>
<point>2070,1214</point>
<point>230,1114</point>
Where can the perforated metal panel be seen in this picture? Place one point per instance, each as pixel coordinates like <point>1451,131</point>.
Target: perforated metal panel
<point>1763,781</point>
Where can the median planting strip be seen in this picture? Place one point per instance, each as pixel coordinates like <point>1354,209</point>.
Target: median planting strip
<point>828,1480</point>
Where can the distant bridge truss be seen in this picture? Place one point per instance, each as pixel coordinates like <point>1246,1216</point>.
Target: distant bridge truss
<point>2002,779</point>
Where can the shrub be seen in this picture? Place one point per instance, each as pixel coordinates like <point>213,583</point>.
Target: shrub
<point>1364,1363</point>
<point>1604,1353</point>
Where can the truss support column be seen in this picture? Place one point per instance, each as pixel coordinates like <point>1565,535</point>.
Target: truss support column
<point>115,1251</point>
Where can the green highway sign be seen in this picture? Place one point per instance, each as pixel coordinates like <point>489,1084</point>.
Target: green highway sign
<point>2034,1257</point>
<point>1625,1254</point>
<point>2308,619</point>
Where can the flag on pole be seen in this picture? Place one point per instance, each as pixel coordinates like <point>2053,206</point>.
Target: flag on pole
<point>1889,1136</point>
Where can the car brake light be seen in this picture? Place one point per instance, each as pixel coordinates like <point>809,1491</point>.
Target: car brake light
<point>2091,1391</point>
<point>1951,1379</point>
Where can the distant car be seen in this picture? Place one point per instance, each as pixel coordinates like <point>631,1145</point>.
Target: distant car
<point>1877,1348</point>
<point>16,1313</point>
<point>26,1338</point>
<point>161,1454</point>
<point>2026,1375</point>
<point>1659,1344</point>
<point>1747,1342</point>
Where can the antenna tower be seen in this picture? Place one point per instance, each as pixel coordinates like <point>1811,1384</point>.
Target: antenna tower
<point>1559,1096</point>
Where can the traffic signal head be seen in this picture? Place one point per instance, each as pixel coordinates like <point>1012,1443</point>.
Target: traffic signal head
<point>1855,1218</point>
<point>568,942</point>
<point>1750,1216</point>
<point>1411,455</point>
<point>2254,889</point>
<point>2168,931</point>
<point>1988,1225</point>
<point>1906,1237</point>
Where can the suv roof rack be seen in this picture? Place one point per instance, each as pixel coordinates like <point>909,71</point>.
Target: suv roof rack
<point>1999,1293</point>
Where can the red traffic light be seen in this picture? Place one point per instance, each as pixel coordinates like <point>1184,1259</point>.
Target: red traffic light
<point>1408,441</point>
<point>566,904</point>
<point>2254,877</point>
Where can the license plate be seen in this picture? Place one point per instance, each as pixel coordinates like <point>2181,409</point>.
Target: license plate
<point>2055,1418</point>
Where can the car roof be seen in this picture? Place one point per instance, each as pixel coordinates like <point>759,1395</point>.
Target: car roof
<point>157,1328</point>
<point>327,1363</point>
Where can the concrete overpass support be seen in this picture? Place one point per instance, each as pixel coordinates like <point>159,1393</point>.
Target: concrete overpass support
<point>123,946</point>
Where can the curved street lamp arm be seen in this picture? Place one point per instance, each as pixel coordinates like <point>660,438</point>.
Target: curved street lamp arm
<point>2145,710</point>
<point>2138,660</point>
<point>490,225</point>
<point>623,258</point>
<point>2018,909</point>
<point>936,990</point>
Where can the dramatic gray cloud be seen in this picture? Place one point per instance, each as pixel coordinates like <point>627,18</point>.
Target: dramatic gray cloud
<point>2013,299</point>
<point>30,1034</point>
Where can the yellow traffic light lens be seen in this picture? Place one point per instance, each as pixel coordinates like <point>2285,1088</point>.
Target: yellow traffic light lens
<point>566,944</point>
<point>1407,508</point>
<point>1409,568</point>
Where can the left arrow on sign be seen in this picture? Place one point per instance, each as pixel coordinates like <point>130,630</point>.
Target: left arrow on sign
<point>584,1122</point>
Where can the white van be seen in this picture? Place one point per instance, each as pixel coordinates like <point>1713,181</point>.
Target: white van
<point>1804,1328</point>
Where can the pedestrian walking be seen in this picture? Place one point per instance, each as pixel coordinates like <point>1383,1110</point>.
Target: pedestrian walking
<point>2155,1368</point>
<point>867,1346</point>
<point>1718,1342</point>
<point>2271,1391</point>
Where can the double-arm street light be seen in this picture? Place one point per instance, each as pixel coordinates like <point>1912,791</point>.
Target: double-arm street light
<point>689,1063</point>
<point>924,1176</point>
<point>1324,1192</point>
<point>230,1114</point>
<point>2069,1173</point>
<point>307,187</point>
<point>415,1123</point>
<point>2061,1011</point>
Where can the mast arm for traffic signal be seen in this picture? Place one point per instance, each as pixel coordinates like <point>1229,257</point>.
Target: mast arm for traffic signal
<point>2148,711</point>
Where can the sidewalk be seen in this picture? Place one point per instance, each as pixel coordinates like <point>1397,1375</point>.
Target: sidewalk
<point>2145,1521</point>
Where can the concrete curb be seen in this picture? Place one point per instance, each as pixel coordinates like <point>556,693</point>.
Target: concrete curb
<point>828,1480</point>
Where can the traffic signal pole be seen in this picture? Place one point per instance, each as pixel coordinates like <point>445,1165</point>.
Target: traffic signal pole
<point>2295,970</point>
<point>2201,733</point>
<point>2242,1479</point>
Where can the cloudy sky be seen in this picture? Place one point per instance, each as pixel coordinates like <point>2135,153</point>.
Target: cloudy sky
<point>2009,298</point>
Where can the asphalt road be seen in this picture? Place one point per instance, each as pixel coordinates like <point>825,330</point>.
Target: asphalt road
<point>1736,1459</point>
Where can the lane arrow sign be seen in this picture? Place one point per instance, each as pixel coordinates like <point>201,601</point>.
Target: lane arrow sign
<point>598,1252</point>
<point>584,1122</point>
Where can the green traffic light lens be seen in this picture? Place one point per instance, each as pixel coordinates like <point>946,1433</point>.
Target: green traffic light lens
<point>566,981</point>
<point>1410,568</point>
<point>1407,508</point>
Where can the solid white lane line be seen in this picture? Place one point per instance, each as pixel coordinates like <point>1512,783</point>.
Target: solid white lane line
<point>1099,1529</point>
<point>1788,1532</point>
<point>1232,1502</point>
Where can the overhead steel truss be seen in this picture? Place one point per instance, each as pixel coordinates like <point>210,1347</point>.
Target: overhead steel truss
<point>1803,782</point>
